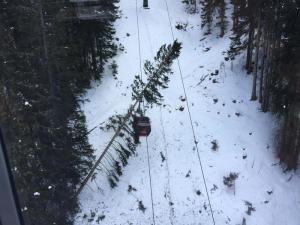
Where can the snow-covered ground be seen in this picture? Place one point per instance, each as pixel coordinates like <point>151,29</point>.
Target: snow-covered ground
<point>221,112</point>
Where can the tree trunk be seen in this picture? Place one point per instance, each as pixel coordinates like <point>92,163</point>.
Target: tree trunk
<point>93,47</point>
<point>145,4</point>
<point>289,138</point>
<point>222,17</point>
<point>297,146</point>
<point>249,48</point>
<point>253,95</point>
<point>235,17</point>
<point>100,50</point>
<point>261,80</point>
<point>266,95</point>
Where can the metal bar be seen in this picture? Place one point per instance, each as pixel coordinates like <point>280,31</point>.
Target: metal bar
<point>10,212</point>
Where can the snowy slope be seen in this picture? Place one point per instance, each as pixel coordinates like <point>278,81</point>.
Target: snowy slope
<point>220,110</point>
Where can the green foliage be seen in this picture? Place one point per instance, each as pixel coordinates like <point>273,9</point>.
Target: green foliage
<point>230,179</point>
<point>250,208</point>
<point>123,157</point>
<point>114,69</point>
<point>214,9</point>
<point>277,58</point>
<point>112,182</point>
<point>131,188</point>
<point>39,107</point>
<point>241,20</point>
<point>113,122</point>
<point>191,6</point>
<point>215,145</point>
<point>157,74</point>
<point>123,145</point>
<point>207,15</point>
<point>118,168</point>
<point>181,26</point>
<point>142,207</point>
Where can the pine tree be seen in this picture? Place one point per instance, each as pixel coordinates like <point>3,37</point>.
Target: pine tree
<point>222,23</point>
<point>243,26</point>
<point>42,76</point>
<point>191,6</point>
<point>210,9</point>
<point>286,80</point>
<point>123,143</point>
<point>157,74</point>
<point>269,31</point>
<point>207,15</point>
<point>257,50</point>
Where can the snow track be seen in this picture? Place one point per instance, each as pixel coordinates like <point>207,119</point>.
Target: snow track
<point>191,121</point>
<point>147,145</point>
<point>167,175</point>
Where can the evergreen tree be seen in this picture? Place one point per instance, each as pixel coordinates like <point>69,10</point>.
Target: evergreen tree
<point>157,75</point>
<point>191,6</point>
<point>269,33</point>
<point>211,9</point>
<point>222,23</point>
<point>44,68</point>
<point>123,143</point>
<point>272,27</point>
<point>207,15</point>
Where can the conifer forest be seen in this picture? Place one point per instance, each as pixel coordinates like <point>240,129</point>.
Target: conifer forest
<point>171,112</point>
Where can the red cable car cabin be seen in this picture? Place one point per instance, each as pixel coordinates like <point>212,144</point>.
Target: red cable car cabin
<point>141,126</point>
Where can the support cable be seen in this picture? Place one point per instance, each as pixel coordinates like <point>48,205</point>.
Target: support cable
<point>147,145</point>
<point>169,195</point>
<point>191,121</point>
<point>150,181</point>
